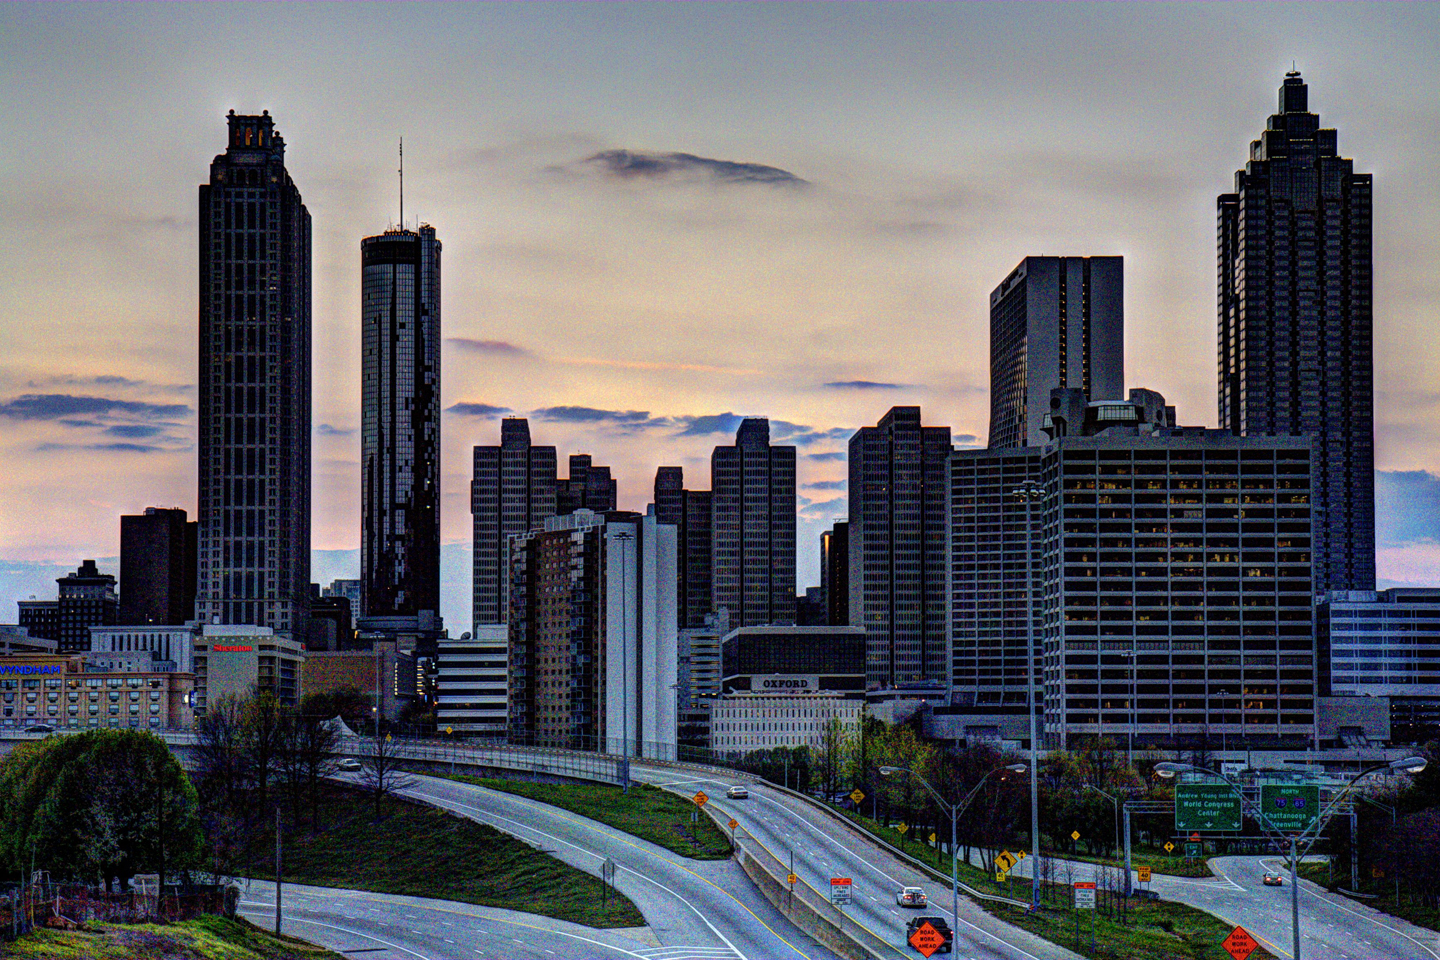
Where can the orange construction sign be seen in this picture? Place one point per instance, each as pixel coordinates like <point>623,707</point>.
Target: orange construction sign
<point>1239,944</point>
<point>700,798</point>
<point>927,939</point>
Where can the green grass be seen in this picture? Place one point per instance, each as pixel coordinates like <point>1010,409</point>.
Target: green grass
<point>1153,857</point>
<point>1151,929</point>
<point>1409,908</point>
<point>419,851</point>
<point>210,938</point>
<point>647,812</point>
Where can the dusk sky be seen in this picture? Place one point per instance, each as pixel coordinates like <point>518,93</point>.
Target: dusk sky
<point>657,219</point>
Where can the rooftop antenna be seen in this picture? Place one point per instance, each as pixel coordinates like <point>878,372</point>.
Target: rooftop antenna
<point>402,183</point>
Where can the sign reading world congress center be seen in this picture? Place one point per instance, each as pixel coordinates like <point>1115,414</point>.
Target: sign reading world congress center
<point>1213,807</point>
<point>1290,807</point>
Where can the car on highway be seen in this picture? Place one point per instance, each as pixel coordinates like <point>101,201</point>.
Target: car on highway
<point>737,793</point>
<point>350,763</point>
<point>941,927</point>
<point>911,897</point>
<point>39,728</point>
<point>1274,880</point>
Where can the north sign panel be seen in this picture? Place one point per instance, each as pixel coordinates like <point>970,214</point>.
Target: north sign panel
<point>1291,808</point>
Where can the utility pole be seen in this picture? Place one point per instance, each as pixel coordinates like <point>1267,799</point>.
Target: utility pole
<point>624,537</point>
<point>277,869</point>
<point>1030,491</point>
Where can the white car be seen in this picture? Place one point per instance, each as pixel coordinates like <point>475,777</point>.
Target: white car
<point>350,763</point>
<point>911,897</point>
<point>737,793</point>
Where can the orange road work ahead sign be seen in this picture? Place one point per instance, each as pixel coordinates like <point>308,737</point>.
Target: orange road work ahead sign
<point>927,939</point>
<point>734,823</point>
<point>700,798</point>
<point>1239,944</point>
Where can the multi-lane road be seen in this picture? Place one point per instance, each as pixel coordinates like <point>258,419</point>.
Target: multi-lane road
<point>1332,927</point>
<point>822,847</point>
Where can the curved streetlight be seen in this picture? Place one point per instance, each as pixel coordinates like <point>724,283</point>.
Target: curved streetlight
<point>1031,491</point>
<point>1411,765</point>
<point>954,809</point>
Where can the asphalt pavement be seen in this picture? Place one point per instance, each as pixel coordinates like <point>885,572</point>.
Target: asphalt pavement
<point>823,848</point>
<point>1332,927</point>
<point>701,909</point>
<point>375,926</point>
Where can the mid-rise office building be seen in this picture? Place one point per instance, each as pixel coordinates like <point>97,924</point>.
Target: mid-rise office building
<point>66,693</point>
<point>254,395</point>
<point>512,492</point>
<point>744,722</point>
<point>87,599</point>
<point>1384,644</point>
<point>158,567</point>
<point>898,551</point>
<point>688,511</point>
<point>17,640</point>
<point>1296,322</point>
<point>237,660</point>
<point>697,681</point>
<point>350,590</point>
<point>753,528</point>
<point>1055,322</point>
<point>166,643</point>
<point>788,659</point>
<point>592,637</point>
<point>1176,578</point>
<point>835,573</point>
<point>472,685</point>
<point>589,487</point>
<point>400,423</point>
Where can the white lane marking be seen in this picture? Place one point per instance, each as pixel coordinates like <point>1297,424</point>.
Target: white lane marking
<point>1362,916</point>
<point>597,856</point>
<point>356,933</point>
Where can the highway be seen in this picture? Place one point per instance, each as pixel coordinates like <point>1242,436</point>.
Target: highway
<point>701,909</point>
<point>1332,927</point>
<point>824,848</point>
<point>384,927</point>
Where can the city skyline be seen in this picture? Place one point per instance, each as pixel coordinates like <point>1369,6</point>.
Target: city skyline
<point>635,276</point>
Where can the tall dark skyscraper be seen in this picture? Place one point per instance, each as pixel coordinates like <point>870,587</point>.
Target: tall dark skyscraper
<point>512,492</point>
<point>254,428</point>
<point>835,573</point>
<point>157,567</point>
<point>1295,330</point>
<point>752,487</point>
<point>899,547</point>
<point>689,512</point>
<point>1055,322</point>
<point>589,487</point>
<point>400,423</point>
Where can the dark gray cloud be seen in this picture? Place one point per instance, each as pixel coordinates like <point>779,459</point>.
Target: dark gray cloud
<point>108,380</point>
<point>698,426</point>
<point>134,431</point>
<point>326,430</point>
<point>492,347</point>
<point>829,456</point>
<point>118,447</point>
<point>825,508</point>
<point>827,484</point>
<point>1407,507</point>
<point>625,418</point>
<point>637,164</point>
<point>964,440</point>
<point>478,410</point>
<point>56,406</point>
<point>801,435</point>
<point>866,385</point>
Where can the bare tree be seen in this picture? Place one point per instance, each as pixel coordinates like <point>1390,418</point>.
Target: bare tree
<point>315,743</point>
<point>381,774</point>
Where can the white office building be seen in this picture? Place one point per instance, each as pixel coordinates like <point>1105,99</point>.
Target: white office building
<point>176,644</point>
<point>473,682</point>
<point>742,722</point>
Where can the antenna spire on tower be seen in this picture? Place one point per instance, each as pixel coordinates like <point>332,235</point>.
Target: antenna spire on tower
<point>402,183</point>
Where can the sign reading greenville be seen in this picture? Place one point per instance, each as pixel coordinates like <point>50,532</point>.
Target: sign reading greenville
<point>1290,807</point>
<point>31,668</point>
<point>785,683</point>
<point>1206,806</point>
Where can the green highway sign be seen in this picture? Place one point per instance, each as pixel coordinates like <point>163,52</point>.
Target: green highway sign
<point>1291,808</point>
<point>1206,806</point>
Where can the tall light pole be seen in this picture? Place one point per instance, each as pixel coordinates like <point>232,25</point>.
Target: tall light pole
<point>1130,728</point>
<point>1114,802</point>
<point>624,536</point>
<point>1354,847</point>
<point>1029,492</point>
<point>1404,765</point>
<point>954,809</point>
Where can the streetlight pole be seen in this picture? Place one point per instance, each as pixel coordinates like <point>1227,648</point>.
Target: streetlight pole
<point>1405,765</point>
<point>1116,803</point>
<point>954,810</point>
<point>623,536</point>
<point>1393,823</point>
<point>1030,491</point>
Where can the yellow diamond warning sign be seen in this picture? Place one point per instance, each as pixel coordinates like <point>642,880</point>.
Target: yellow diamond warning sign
<point>700,798</point>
